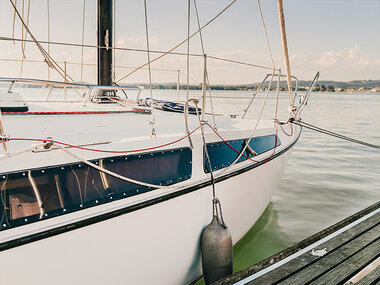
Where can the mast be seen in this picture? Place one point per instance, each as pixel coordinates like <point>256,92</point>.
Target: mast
<point>105,40</point>
<point>286,53</point>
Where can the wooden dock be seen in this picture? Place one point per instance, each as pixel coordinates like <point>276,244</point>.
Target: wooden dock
<point>345,253</point>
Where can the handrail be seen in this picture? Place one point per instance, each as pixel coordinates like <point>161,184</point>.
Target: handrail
<point>306,96</point>
<point>279,75</point>
<point>293,77</point>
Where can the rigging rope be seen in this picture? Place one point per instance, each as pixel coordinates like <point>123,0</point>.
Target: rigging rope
<point>291,129</point>
<point>204,53</point>
<point>2,140</point>
<point>147,48</point>
<point>152,122</point>
<point>100,47</point>
<point>266,35</point>
<point>111,173</point>
<point>215,201</point>
<point>31,149</point>
<point>114,41</point>
<point>27,22</point>
<point>94,64</point>
<point>196,81</point>
<point>241,153</point>
<point>181,43</point>
<point>297,122</point>
<point>98,150</point>
<point>333,134</point>
<point>240,62</point>
<point>61,145</point>
<point>188,51</point>
<point>201,124</point>
<point>23,43</point>
<point>22,29</point>
<point>55,142</point>
<point>49,60</point>
<point>140,50</point>
<point>83,23</point>
<point>277,95</point>
<point>199,26</point>
<point>255,125</point>
<point>14,22</point>
<point>48,33</point>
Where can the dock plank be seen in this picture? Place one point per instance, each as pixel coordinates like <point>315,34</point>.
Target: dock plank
<point>371,279</point>
<point>296,265</point>
<point>348,268</point>
<point>330,260</point>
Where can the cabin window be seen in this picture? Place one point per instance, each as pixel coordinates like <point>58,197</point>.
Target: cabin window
<point>222,155</point>
<point>22,199</point>
<point>42,193</point>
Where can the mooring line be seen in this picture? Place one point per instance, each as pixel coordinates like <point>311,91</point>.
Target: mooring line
<point>333,134</point>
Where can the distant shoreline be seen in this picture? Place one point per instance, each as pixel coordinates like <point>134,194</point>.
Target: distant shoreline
<point>364,86</point>
<point>358,86</point>
<point>371,88</point>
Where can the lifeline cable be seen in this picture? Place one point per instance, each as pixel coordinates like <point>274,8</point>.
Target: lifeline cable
<point>333,134</point>
<point>4,139</point>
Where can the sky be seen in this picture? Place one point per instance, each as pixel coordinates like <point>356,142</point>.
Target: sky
<point>338,38</point>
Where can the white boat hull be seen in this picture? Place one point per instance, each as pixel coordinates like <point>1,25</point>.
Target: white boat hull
<point>154,244</point>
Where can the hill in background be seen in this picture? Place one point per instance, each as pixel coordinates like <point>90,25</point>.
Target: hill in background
<point>323,85</point>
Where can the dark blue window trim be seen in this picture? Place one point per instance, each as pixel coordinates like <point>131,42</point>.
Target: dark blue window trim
<point>71,187</point>
<point>221,155</point>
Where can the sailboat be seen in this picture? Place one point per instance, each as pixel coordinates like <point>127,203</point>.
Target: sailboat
<point>93,191</point>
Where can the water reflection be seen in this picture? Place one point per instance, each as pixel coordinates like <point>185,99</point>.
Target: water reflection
<point>263,239</point>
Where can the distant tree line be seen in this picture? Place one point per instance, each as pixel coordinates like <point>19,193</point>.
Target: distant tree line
<point>321,86</point>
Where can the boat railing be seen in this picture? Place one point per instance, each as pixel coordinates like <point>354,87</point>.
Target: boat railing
<point>305,99</point>
<point>86,93</point>
<point>295,80</point>
<point>260,88</point>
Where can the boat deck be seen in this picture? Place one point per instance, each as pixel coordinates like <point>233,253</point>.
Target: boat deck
<point>345,253</point>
